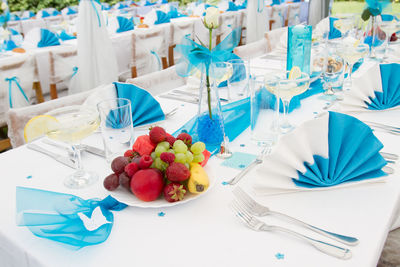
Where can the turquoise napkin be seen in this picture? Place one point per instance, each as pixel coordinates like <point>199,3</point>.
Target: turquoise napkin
<point>71,11</point>
<point>353,155</point>
<point>9,45</point>
<point>48,38</point>
<point>390,95</point>
<point>45,14</point>
<point>149,3</point>
<point>124,24</point>
<point>14,17</point>
<point>173,13</point>
<point>162,17</point>
<point>145,109</point>
<point>232,6</point>
<point>65,36</point>
<point>58,217</point>
<point>56,13</point>
<point>333,32</point>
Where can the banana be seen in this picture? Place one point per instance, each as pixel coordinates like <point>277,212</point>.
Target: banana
<point>198,181</point>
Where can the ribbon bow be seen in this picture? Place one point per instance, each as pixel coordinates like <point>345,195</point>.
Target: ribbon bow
<point>16,81</point>
<point>198,57</point>
<point>377,6</point>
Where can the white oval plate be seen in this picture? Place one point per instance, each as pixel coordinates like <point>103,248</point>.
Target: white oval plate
<point>124,196</point>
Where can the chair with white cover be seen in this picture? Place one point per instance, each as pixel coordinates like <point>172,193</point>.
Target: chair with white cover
<point>149,50</point>
<point>227,22</point>
<point>277,39</point>
<point>29,24</point>
<point>122,44</point>
<point>159,82</point>
<point>277,16</point>
<point>252,50</point>
<point>179,29</point>
<point>18,117</point>
<point>53,21</point>
<point>242,20</point>
<point>63,68</point>
<point>15,25</point>
<point>293,14</point>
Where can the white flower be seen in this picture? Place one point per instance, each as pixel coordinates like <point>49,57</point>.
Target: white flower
<point>211,18</point>
<point>4,6</point>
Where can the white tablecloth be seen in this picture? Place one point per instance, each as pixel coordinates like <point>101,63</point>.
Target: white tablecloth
<point>203,232</point>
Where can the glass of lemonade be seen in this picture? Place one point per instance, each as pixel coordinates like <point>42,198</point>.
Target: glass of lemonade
<point>351,53</point>
<point>286,89</point>
<point>74,124</point>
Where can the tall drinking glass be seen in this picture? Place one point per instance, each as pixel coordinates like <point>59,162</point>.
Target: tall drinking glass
<point>116,126</point>
<point>332,71</point>
<point>389,27</point>
<point>238,84</point>
<point>74,124</point>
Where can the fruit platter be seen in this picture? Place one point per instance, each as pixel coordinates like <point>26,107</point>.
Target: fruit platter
<point>160,170</point>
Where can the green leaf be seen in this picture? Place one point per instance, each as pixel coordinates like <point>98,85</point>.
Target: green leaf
<point>366,14</point>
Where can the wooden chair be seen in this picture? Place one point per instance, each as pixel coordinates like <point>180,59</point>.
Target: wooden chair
<point>228,21</point>
<point>149,45</point>
<point>178,30</point>
<point>293,14</point>
<point>63,62</point>
<point>242,20</point>
<point>277,17</point>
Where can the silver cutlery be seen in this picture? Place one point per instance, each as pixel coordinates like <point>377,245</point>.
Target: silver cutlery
<point>256,209</point>
<point>196,96</point>
<point>88,148</point>
<point>149,125</point>
<point>62,159</point>
<point>258,160</point>
<point>383,126</point>
<point>388,170</point>
<point>258,225</point>
<point>179,98</point>
<point>389,156</point>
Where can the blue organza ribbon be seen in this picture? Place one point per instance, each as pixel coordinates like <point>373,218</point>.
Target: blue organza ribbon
<point>377,6</point>
<point>162,17</point>
<point>48,38</point>
<point>125,24</point>
<point>16,81</point>
<point>65,36</point>
<point>198,57</point>
<point>333,32</point>
<point>353,155</point>
<point>390,95</point>
<point>57,216</point>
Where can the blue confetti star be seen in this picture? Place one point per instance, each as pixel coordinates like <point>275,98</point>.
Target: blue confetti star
<point>279,256</point>
<point>111,137</point>
<point>224,183</point>
<point>315,112</point>
<point>242,145</point>
<point>242,166</point>
<point>161,214</point>
<point>29,177</point>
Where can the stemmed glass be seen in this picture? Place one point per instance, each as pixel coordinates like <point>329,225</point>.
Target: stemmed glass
<point>389,27</point>
<point>74,124</point>
<point>352,53</point>
<point>286,89</point>
<point>344,24</point>
<point>332,70</point>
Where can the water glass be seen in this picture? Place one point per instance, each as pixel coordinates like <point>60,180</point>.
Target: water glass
<point>264,112</point>
<point>238,84</point>
<point>116,126</point>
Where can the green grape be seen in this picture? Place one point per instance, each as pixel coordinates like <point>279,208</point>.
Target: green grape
<point>198,147</point>
<point>164,144</point>
<point>180,157</point>
<point>159,150</point>
<point>189,156</point>
<point>180,147</point>
<point>187,166</point>
<point>171,151</point>
<point>198,157</point>
<point>153,155</point>
<point>161,165</point>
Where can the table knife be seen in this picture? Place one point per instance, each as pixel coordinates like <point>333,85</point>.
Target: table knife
<point>62,159</point>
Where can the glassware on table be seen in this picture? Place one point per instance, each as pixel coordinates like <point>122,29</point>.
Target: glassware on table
<point>389,27</point>
<point>352,53</point>
<point>74,124</point>
<point>116,126</point>
<point>345,23</point>
<point>332,72</point>
<point>264,109</point>
<point>286,89</point>
<point>238,83</point>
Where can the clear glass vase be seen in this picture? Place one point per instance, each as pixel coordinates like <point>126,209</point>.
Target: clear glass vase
<point>210,123</point>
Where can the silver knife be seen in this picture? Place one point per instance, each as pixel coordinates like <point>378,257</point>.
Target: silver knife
<point>94,150</point>
<point>389,156</point>
<point>180,99</point>
<point>62,159</point>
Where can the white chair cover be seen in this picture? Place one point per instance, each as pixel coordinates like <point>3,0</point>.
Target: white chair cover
<point>277,15</point>
<point>63,66</point>
<point>228,22</point>
<point>293,14</point>
<point>256,22</point>
<point>277,40</point>
<point>179,29</point>
<point>96,59</point>
<point>252,50</point>
<point>29,24</point>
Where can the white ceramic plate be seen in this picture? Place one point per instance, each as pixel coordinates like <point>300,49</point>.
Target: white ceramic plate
<point>124,196</point>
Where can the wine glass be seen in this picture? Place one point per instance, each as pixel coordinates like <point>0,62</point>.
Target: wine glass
<point>389,27</point>
<point>332,70</point>
<point>352,53</point>
<point>74,124</point>
<point>344,24</point>
<point>286,89</point>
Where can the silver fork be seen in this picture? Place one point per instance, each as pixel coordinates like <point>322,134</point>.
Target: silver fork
<point>257,225</point>
<point>257,209</point>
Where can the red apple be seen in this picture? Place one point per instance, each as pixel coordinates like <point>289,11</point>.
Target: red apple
<point>147,184</point>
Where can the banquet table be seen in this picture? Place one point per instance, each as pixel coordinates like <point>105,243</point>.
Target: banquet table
<point>204,231</point>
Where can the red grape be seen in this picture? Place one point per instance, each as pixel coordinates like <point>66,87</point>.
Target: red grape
<point>118,164</point>
<point>125,181</point>
<point>111,182</point>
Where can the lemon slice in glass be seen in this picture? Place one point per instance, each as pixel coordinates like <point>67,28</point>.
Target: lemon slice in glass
<point>294,73</point>
<point>39,126</point>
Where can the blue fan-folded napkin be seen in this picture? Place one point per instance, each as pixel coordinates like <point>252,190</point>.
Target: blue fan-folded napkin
<point>63,35</point>
<point>145,109</point>
<point>45,14</point>
<point>342,152</point>
<point>232,6</point>
<point>56,13</point>
<point>150,3</point>
<point>378,88</point>
<point>125,24</point>
<point>65,218</point>
<point>71,11</point>
<point>48,38</point>
<point>173,13</point>
<point>9,45</point>
<point>162,17</point>
<point>333,32</point>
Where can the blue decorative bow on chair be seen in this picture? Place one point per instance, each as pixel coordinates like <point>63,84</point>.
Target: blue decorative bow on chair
<point>10,81</point>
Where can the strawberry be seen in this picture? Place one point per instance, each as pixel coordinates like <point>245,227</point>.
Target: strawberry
<point>185,137</point>
<point>177,172</point>
<point>157,134</point>
<point>170,139</point>
<point>131,168</point>
<point>129,153</point>
<point>174,192</point>
<point>167,157</point>
<point>143,145</point>
<point>145,162</point>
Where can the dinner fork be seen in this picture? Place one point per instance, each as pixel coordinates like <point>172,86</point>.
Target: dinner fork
<point>258,225</point>
<point>256,209</point>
